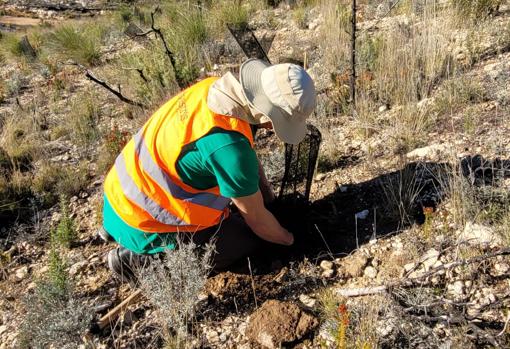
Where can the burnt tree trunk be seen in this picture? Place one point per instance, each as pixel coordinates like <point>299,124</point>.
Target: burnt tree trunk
<point>353,57</point>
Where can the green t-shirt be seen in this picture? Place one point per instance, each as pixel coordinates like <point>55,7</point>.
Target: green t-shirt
<point>222,158</point>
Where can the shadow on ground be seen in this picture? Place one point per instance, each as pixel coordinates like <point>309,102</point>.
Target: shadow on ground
<point>329,228</point>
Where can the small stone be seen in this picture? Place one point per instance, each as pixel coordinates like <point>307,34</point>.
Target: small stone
<point>383,108</point>
<point>21,273</point>
<point>212,336</point>
<point>223,337</point>
<point>370,272</point>
<point>327,273</point>
<point>343,189</point>
<point>431,152</point>
<point>355,265</point>
<point>429,258</point>
<point>276,322</point>
<point>500,269</point>
<point>326,265</point>
<point>77,267</point>
<point>307,300</point>
<point>3,328</point>
<point>409,266</point>
<point>457,288</point>
<point>492,298</point>
<point>477,234</point>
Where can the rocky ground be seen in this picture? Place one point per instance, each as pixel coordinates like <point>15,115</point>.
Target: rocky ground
<point>364,272</point>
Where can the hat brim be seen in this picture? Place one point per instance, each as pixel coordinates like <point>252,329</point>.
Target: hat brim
<point>291,132</point>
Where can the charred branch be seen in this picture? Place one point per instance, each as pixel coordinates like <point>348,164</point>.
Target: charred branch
<point>157,31</point>
<point>140,72</point>
<point>117,92</point>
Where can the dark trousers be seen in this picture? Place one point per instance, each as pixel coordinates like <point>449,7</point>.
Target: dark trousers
<point>233,239</point>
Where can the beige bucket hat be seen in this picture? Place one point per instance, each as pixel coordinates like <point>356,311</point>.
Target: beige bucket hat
<point>285,93</point>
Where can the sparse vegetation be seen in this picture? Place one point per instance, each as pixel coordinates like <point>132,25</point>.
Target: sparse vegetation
<point>173,284</point>
<point>299,16</point>
<point>54,316</point>
<point>65,233</point>
<point>428,73</point>
<point>114,141</point>
<point>80,44</point>
<point>476,10</point>
<point>84,119</point>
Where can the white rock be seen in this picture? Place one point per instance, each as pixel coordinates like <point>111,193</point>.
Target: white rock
<point>326,265</point>
<point>430,258</point>
<point>223,337</point>
<point>431,152</point>
<point>212,336</point>
<point>307,300</point>
<point>477,234</point>
<point>501,269</point>
<point>77,267</point>
<point>370,272</point>
<point>383,108</point>
<point>21,273</point>
<point>409,266</point>
<point>327,273</point>
<point>313,25</point>
<point>457,288</point>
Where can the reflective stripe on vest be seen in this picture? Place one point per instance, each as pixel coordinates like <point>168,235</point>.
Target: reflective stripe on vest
<point>144,187</point>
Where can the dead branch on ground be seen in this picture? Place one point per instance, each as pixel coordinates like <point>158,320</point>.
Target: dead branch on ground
<point>117,92</point>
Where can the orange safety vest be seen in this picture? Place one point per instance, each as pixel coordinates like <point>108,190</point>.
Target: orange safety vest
<point>144,188</point>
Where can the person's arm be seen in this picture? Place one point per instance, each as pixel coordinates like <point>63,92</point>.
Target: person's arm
<point>265,186</point>
<point>261,221</point>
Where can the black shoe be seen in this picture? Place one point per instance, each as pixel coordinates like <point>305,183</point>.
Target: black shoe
<point>125,264</point>
<point>103,234</point>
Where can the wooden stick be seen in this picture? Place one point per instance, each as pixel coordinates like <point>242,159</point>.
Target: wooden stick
<point>113,314</point>
<point>252,284</point>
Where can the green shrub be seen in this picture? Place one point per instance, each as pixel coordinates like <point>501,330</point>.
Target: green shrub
<point>80,44</point>
<point>186,36</point>
<point>229,12</point>
<point>65,233</point>
<point>10,44</point>
<point>57,271</point>
<point>54,317</point>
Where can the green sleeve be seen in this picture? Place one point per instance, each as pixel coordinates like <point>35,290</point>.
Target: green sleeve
<point>234,164</point>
